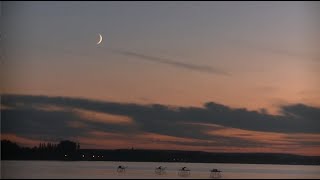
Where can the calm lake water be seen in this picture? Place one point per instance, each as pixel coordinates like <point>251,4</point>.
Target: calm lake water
<point>143,170</point>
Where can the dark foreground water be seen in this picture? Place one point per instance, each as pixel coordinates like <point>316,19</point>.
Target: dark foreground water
<point>138,170</point>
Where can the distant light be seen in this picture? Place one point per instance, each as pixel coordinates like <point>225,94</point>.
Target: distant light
<point>92,155</point>
<point>101,156</point>
<point>65,155</point>
<point>82,155</point>
<point>98,156</point>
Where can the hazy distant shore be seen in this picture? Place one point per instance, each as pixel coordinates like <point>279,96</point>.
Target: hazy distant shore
<point>70,151</point>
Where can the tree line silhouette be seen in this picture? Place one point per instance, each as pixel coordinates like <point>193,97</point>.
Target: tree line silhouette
<point>64,150</point>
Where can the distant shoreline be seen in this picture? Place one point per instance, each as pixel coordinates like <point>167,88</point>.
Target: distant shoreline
<point>71,151</point>
<point>163,162</point>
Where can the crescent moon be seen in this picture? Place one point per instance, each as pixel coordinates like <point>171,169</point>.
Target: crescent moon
<point>100,40</point>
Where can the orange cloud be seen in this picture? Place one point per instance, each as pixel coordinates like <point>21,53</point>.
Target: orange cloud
<point>102,117</point>
<point>159,137</point>
<point>3,107</point>
<point>21,140</point>
<point>276,142</point>
<point>49,107</point>
<point>76,124</point>
<point>102,134</point>
<point>263,137</point>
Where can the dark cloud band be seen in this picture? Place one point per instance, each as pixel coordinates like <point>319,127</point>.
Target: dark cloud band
<point>297,118</point>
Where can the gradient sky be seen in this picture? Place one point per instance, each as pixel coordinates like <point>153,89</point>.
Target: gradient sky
<point>253,55</point>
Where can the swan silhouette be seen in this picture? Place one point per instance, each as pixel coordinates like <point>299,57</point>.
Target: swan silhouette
<point>121,169</point>
<point>184,171</point>
<point>215,173</point>
<point>160,170</point>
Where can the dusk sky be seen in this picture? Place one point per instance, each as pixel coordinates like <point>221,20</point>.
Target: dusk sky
<point>208,76</point>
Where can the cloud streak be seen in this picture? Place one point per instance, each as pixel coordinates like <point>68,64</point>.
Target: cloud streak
<point>195,67</point>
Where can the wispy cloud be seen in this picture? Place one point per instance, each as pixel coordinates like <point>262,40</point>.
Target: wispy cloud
<point>195,67</point>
